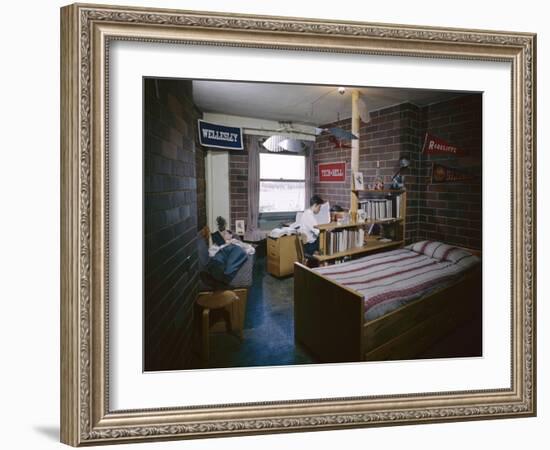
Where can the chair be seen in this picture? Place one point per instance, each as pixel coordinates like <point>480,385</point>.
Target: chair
<point>240,284</point>
<point>215,301</point>
<point>303,258</point>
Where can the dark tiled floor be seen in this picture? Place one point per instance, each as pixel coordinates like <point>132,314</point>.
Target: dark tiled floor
<point>268,337</point>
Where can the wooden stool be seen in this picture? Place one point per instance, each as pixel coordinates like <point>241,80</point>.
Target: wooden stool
<point>215,300</point>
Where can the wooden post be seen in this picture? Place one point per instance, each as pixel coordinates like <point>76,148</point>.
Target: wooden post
<point>355,124</point>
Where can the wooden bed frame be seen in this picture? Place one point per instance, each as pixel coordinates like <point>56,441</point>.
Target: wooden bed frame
<point>329,319</point>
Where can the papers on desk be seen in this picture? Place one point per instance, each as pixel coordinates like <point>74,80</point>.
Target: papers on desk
<point>284,231</point>
<point>324,214</point>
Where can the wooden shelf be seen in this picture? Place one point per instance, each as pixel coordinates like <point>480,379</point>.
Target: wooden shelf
<point>372,245</point>
<point>382,191</point>
<point>395,229</point>
<point>335,226</point>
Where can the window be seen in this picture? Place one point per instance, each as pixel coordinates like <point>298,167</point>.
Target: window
<point>282,183</point>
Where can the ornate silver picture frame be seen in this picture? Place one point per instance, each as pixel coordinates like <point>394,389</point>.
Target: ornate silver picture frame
<point>87,32</point>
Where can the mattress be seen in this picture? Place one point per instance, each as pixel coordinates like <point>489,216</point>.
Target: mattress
<point>392,279</point>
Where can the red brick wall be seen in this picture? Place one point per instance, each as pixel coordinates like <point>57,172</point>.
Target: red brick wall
<point>452,211</point>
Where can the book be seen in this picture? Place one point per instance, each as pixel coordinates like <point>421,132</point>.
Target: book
<point>341,240</point>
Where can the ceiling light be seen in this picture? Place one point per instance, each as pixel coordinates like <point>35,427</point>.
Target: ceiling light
<point>292,145</point>
<point>272,143</point>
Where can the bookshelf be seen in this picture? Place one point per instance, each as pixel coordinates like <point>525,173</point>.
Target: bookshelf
<point>386,208</point>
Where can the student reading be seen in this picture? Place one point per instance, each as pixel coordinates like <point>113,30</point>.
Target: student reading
<point>307,225</point>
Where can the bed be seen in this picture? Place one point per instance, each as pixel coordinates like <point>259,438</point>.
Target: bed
<point>386,306</point>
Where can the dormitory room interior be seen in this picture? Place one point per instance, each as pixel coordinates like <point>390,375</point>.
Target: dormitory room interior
<point>302,224</point>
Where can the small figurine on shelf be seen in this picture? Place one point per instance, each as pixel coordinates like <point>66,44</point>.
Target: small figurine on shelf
<point>378,184</point>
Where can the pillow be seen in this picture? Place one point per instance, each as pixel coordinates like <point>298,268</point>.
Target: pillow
<point>460,257</point>
<point>444,252</point>
<point>433,249</point>
<point>466,259</point>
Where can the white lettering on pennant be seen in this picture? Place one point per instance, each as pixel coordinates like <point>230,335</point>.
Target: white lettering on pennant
<point>332,172</point>
<point>220,135</point>
<point>444,148</point>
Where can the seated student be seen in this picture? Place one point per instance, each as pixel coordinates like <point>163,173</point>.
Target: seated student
<point>307,225</point>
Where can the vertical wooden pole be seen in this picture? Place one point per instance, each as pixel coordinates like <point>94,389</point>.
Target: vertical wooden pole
<point>355,124</point>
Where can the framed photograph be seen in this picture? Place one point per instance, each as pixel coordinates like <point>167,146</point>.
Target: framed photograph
<point>358,181</point>
<point>239,227</point>
<point>155,321</point>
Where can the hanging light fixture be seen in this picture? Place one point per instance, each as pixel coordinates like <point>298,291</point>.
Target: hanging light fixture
<point>292,145</point>
<point>273,143</point>
<point>278,143</point>
<point>339,132</point>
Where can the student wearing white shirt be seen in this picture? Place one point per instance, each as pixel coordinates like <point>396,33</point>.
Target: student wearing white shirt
<point>307,225</point>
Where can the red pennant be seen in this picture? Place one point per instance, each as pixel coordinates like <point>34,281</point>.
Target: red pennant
<point>437,146</point>
<point>337,143</point>
<point>443,174</point>
<point>332,172</point>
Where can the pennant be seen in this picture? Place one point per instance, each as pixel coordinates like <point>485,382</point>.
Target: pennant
<point>341,134</point>
<point>443,174</point>
<point>332,172</point>
<point>437,146</point>
<point>337,143</point>
<point>220,136</point>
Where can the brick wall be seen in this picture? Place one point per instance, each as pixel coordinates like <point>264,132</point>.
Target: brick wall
<point>200,173</point>
<point>449,211</point>
<point>170,222</point>
<point>238,186</point>
<point>452,211</point>
<point>390,133</point>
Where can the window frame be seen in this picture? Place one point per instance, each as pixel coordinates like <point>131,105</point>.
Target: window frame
<point>272,216</point>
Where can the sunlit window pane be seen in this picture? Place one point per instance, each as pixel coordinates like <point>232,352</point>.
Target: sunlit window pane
<point>288,167</point>
<point>281,196</point>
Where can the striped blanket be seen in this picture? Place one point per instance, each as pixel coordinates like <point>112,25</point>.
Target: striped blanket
<point>391,279</point>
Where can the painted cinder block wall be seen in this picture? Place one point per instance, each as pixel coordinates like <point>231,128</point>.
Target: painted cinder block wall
<point>171,220</point>
<point>390,133</point>
<point>238,185</point>
<point>452,211</point>
<point>449,211</point>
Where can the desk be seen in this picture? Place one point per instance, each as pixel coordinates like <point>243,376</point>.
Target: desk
<point>281,255</point>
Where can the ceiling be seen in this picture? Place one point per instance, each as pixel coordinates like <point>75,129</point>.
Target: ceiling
<point>306,104</point>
